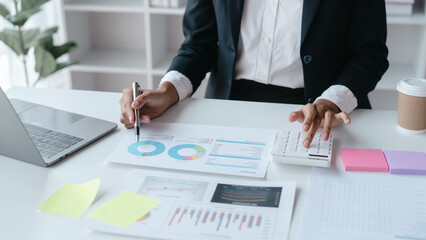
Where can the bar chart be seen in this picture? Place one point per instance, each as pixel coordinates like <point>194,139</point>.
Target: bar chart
<point>202,219</point>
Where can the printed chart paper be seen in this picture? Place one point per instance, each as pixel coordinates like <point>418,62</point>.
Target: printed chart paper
<point>194,208</point>
<point>353,206</point>
<point>202,148</point>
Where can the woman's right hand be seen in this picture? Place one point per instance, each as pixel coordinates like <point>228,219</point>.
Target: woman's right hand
<point>151,103</point>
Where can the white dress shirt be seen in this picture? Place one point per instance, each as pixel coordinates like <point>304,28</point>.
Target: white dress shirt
<point>269,51</point>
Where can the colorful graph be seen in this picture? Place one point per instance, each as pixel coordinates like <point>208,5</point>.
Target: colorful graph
<point>225,221</point>
<point>144,217</point>
<point>140,148</point>
<point>247,195</point>
<point>175,152</point>
<point>170,188</point>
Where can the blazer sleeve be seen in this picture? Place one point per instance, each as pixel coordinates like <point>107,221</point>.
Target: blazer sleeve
<point>367,51</point>
<point>198,52</point>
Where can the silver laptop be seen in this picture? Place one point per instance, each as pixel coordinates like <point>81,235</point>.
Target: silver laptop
<point>43,135</point>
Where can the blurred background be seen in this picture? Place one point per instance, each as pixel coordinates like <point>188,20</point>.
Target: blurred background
<point>121,41</point>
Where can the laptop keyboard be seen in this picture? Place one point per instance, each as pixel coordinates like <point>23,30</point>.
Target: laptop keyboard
<point>48,142</point>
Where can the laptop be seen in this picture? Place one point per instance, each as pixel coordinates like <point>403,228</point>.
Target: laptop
<point>43,135</point>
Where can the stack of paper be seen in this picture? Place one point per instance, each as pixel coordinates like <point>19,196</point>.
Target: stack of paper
<point>399,7</point>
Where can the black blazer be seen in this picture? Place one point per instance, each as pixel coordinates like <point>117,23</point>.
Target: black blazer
<point>342,42</point>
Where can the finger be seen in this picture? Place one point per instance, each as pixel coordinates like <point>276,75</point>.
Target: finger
<point>124,120</point>
<point>145,118</point>
<point>309,113</point>
<point>141,100</point>
<point>328,119</point>
<point>311,133</point>
<point>342,116</point>
<point>129,125</point>
<point>296,116</point>
<point>318,112</point>
<point>125,102</point>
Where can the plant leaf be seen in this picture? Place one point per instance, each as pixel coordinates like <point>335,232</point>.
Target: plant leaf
<point>45,63</point>
<point>31,4</point>
<point>65,48</point>
<point>4,12</point>
<point>63,65</point>
<point>30,36</point>
<point>45,38</point>
<point>11,38</point>
<point>21,18</point>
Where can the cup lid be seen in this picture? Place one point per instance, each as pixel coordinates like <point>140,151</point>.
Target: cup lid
<point>412,86</point>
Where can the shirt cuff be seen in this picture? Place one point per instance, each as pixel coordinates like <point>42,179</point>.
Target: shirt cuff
<point>341,96</point>
<point>181,82</point>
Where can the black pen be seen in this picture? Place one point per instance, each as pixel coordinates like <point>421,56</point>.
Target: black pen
<point>135,87</point>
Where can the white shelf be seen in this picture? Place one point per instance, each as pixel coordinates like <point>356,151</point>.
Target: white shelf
<point>395,73</point>
<point>131,6</point>
<point>167,11</point>
<point>415,19</point>
<point>164,64</point>
<point>112,61</point>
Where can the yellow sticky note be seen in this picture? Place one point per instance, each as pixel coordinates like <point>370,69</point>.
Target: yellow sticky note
<point>124,209</point>
<point>71,200</point>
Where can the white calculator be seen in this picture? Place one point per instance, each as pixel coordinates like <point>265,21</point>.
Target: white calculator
<point>288,149</point>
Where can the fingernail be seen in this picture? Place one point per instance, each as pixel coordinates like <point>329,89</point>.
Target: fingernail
<point>305,127</point>
<point>306,143</point>
<point>325,136</point>
<point>135,104</point>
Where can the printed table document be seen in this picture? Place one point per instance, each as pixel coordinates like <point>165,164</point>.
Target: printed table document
<point>367,206</point>
<point>202,148</point>
<point>194,208</point>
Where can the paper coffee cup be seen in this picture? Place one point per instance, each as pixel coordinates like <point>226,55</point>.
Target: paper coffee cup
<point>412,105</point>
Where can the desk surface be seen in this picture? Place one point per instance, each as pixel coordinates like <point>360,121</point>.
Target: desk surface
<point>24,186</point>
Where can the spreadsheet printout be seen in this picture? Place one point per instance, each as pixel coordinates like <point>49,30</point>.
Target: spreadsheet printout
<point>352,205</point>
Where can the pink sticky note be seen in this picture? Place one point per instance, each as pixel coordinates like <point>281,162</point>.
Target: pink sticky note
<point>364,160</point>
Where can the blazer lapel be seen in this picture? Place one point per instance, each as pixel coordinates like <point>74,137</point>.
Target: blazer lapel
<point>235,14</point>
<point>309,9</point>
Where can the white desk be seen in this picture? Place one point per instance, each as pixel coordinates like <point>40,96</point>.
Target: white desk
<point>24,186</point>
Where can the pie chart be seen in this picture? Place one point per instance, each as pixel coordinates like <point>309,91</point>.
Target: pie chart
<point>146,148</point>
<point>187,152</point>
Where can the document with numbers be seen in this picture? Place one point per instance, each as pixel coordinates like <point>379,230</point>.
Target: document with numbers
<point>367,206</point>
<point>203,148</point>
<point>195,207</point>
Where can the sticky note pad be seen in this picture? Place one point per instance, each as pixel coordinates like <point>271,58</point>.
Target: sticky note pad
<point>71,200</point>
<point>124,209</point>
<point>365,160</point>
<point>406,162</point>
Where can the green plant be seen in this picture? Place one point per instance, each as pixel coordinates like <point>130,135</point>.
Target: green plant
<point>22,40</point>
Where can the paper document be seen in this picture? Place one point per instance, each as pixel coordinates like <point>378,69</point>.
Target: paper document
<point>71,200</point>
<point>202,148</point>
<point>194,208</point>
<point>349,206</point>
